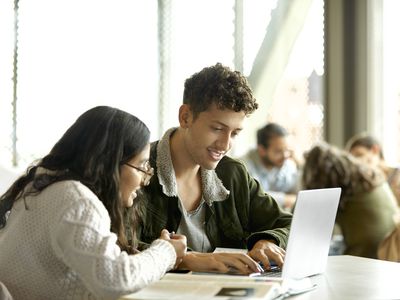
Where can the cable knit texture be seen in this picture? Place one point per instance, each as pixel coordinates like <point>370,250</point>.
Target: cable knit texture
<point>61,247</point>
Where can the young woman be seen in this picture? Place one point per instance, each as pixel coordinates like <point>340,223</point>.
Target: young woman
<point>61,224</point>
<point>367,204</point>
<point>369,150</point>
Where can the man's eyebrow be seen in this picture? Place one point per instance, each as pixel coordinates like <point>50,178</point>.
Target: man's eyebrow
<point>224,125</point>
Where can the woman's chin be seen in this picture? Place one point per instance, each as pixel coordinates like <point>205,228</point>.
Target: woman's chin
<point>129,202</point>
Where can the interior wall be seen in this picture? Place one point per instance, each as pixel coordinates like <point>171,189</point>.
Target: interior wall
<point>352,68</point>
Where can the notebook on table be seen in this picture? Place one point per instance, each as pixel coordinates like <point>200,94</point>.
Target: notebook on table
<point>207,287</point>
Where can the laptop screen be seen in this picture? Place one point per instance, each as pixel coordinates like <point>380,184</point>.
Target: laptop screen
<point>310,233</point>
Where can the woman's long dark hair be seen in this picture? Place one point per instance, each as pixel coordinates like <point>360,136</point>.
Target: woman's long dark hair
<point>91,151</point>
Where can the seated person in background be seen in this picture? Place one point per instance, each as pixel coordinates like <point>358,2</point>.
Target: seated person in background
<point>61,224</point>
<point>202,193</point>
<point>369,150</point>
<point>367,204</point>
<point>272,164</point>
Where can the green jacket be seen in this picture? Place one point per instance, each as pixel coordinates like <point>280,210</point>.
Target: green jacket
<point>236,217</point>
<point>366,219</point>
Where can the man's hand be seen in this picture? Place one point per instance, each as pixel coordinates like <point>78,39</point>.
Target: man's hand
<point>264,251</point>
<point>238,263</point>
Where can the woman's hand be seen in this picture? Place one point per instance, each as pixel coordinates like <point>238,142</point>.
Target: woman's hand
<point>178,241</point>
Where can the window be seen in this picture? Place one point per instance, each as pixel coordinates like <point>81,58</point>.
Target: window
<point>391,81</point>
<point>73,55</point>
<point>298,100</point>
<point>77,54</point>
<point>6,83</point>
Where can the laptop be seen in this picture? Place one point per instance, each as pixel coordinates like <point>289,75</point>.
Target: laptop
<point>309,239</point>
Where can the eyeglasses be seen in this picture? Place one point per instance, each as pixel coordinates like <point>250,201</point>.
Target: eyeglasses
<point>148,172</point>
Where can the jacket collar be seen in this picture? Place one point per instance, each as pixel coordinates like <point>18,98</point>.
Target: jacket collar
<point>213,189</point>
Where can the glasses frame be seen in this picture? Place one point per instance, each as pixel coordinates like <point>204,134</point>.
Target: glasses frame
<point>147,173</point>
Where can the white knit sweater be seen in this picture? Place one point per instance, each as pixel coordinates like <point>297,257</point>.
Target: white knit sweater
<point>61,247</point>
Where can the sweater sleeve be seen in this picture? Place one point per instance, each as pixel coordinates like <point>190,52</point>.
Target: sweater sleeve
<point>83,241</point>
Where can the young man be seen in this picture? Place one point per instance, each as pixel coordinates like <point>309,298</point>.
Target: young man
<point>205,195</point>
<point>272,164</point>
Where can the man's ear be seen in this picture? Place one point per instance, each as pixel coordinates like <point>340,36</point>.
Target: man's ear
<point>185,115</point>
<point>261,150</point>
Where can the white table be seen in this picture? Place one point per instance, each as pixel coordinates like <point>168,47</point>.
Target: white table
<point>354,278</point>
<point>351,277</point>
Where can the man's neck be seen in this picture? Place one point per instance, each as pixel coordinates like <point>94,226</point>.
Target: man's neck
<point>187,173</point>
<point>185,169</point>
<point>267,165</point>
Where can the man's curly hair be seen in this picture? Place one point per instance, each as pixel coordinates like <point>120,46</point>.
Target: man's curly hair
<point>220,85</point>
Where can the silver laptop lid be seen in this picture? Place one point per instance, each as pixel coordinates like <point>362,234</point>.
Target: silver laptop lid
<point>310,234</point>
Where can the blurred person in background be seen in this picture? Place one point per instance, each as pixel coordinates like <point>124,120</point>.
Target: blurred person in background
<point>369,150</point>
<point>367,204</point>
<point>274,165</point>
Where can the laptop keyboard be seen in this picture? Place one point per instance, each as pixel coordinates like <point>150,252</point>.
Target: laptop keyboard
<point>274,272</point>
<point>271,274</point>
